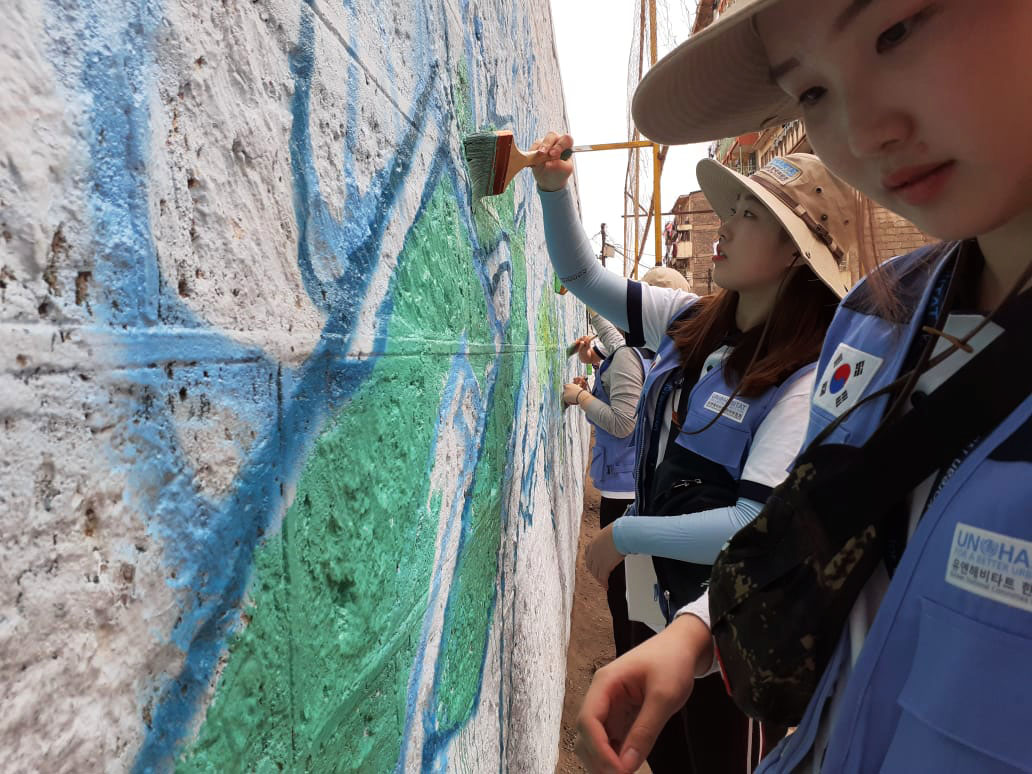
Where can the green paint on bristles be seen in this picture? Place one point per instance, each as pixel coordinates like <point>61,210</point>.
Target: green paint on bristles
<point>480,150</point>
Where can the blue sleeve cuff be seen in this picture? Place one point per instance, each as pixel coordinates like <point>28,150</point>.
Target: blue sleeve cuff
<point>692,537</point>
<point>618,535</point>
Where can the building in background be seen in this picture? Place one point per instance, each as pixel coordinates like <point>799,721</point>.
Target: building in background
<point>690,238</point>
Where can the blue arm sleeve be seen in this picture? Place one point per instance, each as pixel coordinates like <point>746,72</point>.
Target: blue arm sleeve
<point>574,260</point>
<point>641,310</point>
<point>692,537</point>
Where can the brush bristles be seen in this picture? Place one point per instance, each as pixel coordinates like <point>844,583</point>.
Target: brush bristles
<point>487,156</point>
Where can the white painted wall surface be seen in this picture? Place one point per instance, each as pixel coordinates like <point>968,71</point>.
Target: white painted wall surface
<point>284,482</point>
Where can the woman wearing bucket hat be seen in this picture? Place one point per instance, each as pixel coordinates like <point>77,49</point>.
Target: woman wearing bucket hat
<point>723,410</point>
<point>610,405</point>
<point>901,538</point>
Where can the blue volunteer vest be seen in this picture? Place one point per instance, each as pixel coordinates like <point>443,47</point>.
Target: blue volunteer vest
<point>612,460</point>
<point>942,682</point>
<point>725,443</point>
<point>728,440</point>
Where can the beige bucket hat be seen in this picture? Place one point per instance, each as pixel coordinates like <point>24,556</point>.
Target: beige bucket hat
<point>665,277</point>
<point>715,84</point>
<point>815,208</point>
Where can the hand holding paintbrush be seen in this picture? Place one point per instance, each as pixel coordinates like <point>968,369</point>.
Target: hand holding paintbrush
<point>494,160</point>
<point>557,167</point>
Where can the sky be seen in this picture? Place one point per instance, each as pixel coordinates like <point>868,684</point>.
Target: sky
<point>593,42</point>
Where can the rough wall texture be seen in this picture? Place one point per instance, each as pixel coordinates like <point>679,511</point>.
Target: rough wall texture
<point>285,483</point>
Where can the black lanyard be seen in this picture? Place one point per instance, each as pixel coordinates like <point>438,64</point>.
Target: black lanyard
<point>673,380</point>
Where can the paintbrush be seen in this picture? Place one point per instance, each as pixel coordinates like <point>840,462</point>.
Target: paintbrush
<point>494,160</point>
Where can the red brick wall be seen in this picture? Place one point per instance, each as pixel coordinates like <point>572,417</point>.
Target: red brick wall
<point>705,225</point>
<point>894,235</point>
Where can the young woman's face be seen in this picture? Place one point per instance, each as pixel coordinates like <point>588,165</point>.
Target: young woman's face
<point>924,105</point>
<point>752,253</point>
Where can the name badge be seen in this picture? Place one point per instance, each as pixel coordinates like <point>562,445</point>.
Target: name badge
<point>735,409</point>
<point>845,379</point>
<point>782,171</point>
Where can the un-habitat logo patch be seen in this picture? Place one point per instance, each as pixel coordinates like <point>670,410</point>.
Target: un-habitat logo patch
<point>845,379</point>
<point>782,171</point>
<point>991,565</point>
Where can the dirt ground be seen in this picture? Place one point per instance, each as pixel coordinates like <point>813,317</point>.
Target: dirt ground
<point>591,638</point>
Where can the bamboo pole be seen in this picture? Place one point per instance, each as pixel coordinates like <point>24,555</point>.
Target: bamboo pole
<point>637,153</point>
<point>650,212</point>
<point>637,205</point>
<point>626,224</point>
<point>657,171</point>
<point>657,166</point>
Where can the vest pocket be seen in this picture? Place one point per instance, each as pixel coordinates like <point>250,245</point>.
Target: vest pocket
<point>723,442</point>
<point>622,466</point>
<point>966,702</point>
<point>819,421</point>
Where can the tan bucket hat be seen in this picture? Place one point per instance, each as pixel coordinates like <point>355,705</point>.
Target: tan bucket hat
<point>815,208</point>
<point>716,84</point>
<point>665,277</point>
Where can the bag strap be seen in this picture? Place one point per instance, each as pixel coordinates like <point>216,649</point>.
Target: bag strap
<point>871,479</point>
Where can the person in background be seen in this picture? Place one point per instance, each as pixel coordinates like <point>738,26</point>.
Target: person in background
<point>611,405</point>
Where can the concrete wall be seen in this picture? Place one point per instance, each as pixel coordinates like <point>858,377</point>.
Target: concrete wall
<point>285,482</point>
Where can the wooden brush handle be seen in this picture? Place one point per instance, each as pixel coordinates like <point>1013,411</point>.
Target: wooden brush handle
<point>519,160</point>
<point>604,146</point>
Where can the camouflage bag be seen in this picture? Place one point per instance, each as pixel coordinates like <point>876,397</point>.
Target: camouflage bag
<point>783,587</point>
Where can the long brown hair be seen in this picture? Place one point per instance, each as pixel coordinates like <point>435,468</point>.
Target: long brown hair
<point>796,328</point>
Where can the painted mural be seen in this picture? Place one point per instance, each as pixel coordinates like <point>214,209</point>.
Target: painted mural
<point>287,486</point>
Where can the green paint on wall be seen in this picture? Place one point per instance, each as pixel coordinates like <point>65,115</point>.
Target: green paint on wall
<point>472,596</point>
<point>549,363</point>
<point>317,679</point>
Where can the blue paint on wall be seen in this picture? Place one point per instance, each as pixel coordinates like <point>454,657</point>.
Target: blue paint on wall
<point>462,383</point>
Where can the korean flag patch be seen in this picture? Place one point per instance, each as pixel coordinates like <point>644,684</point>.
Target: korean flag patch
<point>845,379</point>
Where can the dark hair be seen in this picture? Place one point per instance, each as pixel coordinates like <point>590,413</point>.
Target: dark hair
<point>796,328</point>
